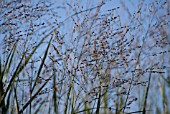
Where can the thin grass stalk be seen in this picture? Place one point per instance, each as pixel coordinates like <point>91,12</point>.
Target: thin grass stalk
<point>143,99</point>
<point>146,95</point>
<point>34,96</point>
<point>8,102</point>
<point>42,63</point>
<point>86,107</point>
<point>117,107</point>
<point>137,112</point>
<point>16,100</point>
<point>2,92</point>
<point>121,103</point>
<point>68,94</point>
<point>158,111</point>
<point>45,55</point>
<point>127,95</point>
<point>139,95</point>
<point>12,79</point>
<point>6,69</point>
<point>8,60</point>
<point>98,103</point>
<point>104,94</point>
<point>99,98</point>
<point>67,98</point>
<point>49,107</point>
<point>105,98</point>
<point>30,88</point>
<point>2,104</point>
<point>39,107</point>
<point>93,107</point>
<point>72,98</point>
<point>164,97</point>
<point>21,67</point>
<point>54,95</point>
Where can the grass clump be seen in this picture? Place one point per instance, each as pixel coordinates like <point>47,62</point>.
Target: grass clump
<point>93,60</point>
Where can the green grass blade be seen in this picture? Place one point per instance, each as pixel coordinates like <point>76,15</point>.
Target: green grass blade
<point>72,97</point>
<point>34,96</point>
<point>21,66</point>
<point>105,98</point>
<point>12,79</point>
<point>9,58</point>
<point>66,104</point>
<point>86,107</point>
<point>1,83</point>
<point>42,63</point>
<point>146,95</point>
<point>39,107</point>
<point>54,95</point>
<point>98,103</point>
<point>8,100</point>
<point>16,100</point>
